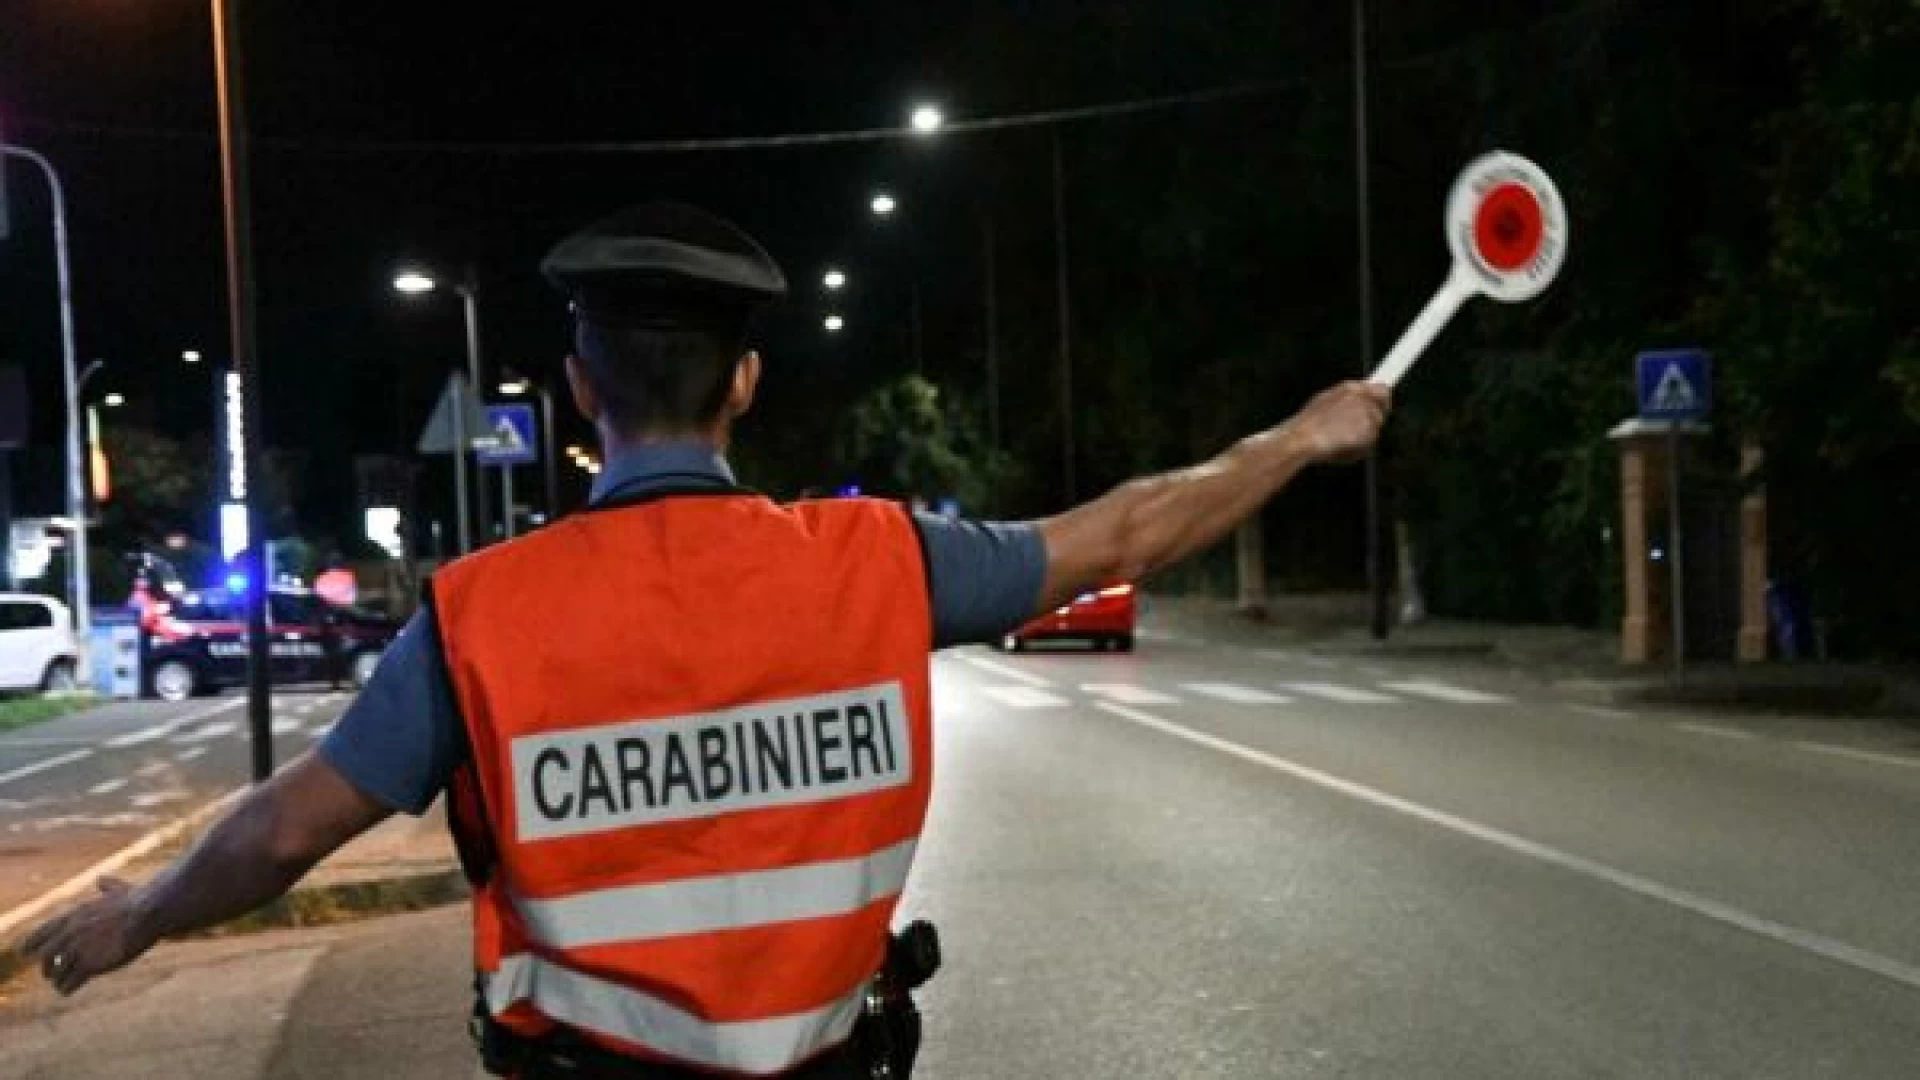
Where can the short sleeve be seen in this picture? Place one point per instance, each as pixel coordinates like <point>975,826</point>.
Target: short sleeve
<point>985,576</point>
<point>400,740</point>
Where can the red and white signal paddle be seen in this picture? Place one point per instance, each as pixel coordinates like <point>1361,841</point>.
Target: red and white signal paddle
<point>1508,232</point>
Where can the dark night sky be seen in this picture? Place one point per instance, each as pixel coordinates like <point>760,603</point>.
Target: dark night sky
<point>121,95</point>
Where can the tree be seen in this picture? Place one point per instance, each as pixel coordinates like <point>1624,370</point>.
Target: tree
<point>907,439</point>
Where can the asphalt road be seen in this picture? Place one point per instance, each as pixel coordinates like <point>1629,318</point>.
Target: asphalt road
<point>75,789</point>
<point>1207,862</point>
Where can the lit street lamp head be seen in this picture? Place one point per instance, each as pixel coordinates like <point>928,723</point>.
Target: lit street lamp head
<point>513,387</point>
<point>114,401</point>
<point>927,119</point>
<point>833,323</point>
<point>834,280</point>
<point>413,283</point>
<point>191,356</point>
<point>883,204</point>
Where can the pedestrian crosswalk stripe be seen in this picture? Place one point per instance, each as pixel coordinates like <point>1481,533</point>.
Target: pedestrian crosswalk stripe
<point>1440,691</point>
<point>1238,695</point>
<point>1345,695</point>
<point>283,725</point>
<point>1006,670</point>
<point>1129,694</point>
<point>1024,697</point>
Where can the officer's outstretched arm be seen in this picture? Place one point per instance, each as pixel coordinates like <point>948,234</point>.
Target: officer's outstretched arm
<point>268,841</point>
<point>1154,521</point>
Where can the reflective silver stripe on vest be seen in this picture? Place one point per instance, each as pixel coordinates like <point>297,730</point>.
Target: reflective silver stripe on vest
<point>755,1047</point>
<point>721,902</point>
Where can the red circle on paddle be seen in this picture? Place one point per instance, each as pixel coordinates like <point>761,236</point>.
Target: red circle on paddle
<point>1507,228</point>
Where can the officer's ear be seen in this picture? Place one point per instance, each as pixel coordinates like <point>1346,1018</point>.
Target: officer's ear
<point>584,398</point>
<point>746,380</point>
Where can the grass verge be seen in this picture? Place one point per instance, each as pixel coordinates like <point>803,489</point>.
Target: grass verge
<point>22,711</point>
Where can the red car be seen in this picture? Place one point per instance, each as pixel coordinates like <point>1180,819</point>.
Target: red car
<point>1103,619</point>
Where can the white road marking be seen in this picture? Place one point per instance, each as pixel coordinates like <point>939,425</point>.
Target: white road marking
<point>1021,696</point>
<point>161,731</point>
<point>1439,691</point>
<point>155,798</point>
<point>1005,670</point>
<point>42,766</point>
<point>1319,662</point>
<point>283,725</point>
<point>1704,906</point>
<point>151,768</point>
<point>107,787</point>
<point>1238,695</point>
<point>1861,755</point>
<point>1128,693</point>
<point>320,732</point>
<point>1375,670</point>
<point>210,731</point>
<point>190,754</point>
<point>1602,712</point>
<point>1345,695</point>
<point>1714,730</point>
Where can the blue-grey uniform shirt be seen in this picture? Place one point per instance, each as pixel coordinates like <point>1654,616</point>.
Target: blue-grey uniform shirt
<point>401,739</point>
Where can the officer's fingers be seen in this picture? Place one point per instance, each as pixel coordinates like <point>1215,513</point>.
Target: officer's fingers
<point>41,935</point>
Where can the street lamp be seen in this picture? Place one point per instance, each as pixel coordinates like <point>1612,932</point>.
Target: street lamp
<point>191,356</point>
<point>833,323</point>
<point>514,384</point>
<point>417,281</point>
<point>927,119</point>
<point>834,281</point>
<point>883,205</point>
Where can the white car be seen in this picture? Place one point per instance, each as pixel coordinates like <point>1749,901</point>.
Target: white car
<point>38,650</point>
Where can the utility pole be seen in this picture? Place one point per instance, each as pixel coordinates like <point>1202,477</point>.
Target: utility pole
<point>239,228</point>
<point>1376,556</point>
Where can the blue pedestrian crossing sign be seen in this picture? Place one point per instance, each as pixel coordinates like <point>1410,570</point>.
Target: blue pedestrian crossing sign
<point>509,438</point>
<point>1675,384</point>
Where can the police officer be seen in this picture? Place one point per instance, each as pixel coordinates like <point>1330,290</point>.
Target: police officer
<point>686,734</point>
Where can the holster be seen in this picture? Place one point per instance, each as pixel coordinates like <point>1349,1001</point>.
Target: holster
<point>884,1044</point>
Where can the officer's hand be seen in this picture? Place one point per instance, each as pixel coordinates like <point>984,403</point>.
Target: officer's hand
<point>1343,423</point>
<point>91,940</point>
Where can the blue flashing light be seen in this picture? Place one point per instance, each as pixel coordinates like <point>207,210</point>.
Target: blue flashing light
<point>237,583</point>
<point>851,491</point>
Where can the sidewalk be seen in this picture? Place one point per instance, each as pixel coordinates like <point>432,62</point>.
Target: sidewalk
<point>1577,663</point>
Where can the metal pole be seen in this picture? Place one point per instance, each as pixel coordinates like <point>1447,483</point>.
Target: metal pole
<point>462,513</point>
<point>6,519</point>
<point>993,338</point>
<point>1065,305</point>
<point>546,453</point>
<point>93,448</point>
<point>1676,575</point>
<point>233,175</point>
<point>78,572</point>
<point>469,296</point>
<point>1376,555</point>
<point>506,500</point>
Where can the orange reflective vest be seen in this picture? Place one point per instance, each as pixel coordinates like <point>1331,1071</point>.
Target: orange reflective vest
<point>701,751</point>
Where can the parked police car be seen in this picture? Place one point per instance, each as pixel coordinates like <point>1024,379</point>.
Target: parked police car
<point>197,642</point>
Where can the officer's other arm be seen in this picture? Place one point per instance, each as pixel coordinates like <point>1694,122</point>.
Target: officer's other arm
<point>1154,521</point>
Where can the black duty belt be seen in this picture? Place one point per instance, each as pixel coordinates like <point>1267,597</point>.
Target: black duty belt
<point>883,1046</point>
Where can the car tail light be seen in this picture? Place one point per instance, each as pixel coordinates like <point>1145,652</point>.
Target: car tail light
<point>1117,591</point>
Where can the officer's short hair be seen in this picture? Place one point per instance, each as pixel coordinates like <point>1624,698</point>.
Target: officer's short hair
<point>651,378</point>
<point>663,296</point>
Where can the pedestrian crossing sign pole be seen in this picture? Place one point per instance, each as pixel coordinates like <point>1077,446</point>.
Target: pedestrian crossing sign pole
<point>1676,389</point>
